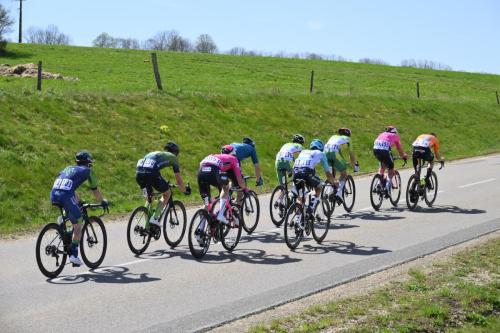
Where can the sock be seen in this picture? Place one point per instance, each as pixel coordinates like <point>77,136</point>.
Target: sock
<point>388,185</point>
<point>222,207</point>
<point>74,248</point>
<point>428,175</point>
<point>341,188</point>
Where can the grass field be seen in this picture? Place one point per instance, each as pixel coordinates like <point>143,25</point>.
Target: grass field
<point>114,111</point>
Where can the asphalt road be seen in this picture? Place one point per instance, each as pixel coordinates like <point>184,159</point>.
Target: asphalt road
<point>167,290</point>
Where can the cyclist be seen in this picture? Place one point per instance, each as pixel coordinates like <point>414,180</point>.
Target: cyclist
<point>288,152</point>
<point>63,194</point>
<point>148,176</point>
<point>304,169</point>
<point>244,150</point>
<point>382,151</point>
<point>217,170</point>
<point>422,149</point>
<point>337,147</point>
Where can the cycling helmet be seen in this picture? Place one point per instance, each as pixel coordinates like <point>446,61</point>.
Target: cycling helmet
<point>83,158</point>
<point>344,131</point>
<point>298,138</point>
<point>228,149</point>
<point>249,141</point>
<point>433,133</point>
<point>391,129</point>
<point>316,144</point>
<point>172,147</point>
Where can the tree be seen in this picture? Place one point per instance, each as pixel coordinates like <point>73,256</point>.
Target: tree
<point>5,24</point>
<point>168,41</point>
<point>205,44</point>
<point>373,61</point>
<point>104,40</point>
<point>50,36</point>
<point>127,43</point>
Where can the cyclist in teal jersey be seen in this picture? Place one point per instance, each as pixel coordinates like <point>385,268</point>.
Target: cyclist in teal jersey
<point>246,149</point>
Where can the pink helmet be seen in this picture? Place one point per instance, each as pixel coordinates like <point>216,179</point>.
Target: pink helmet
<point>228,149</point>
<point>391,129</point>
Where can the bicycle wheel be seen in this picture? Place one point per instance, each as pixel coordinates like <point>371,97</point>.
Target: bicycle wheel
<point>231,233</point>
<point>94,242</point>
<point>320,225</point>
<point>431,191</point>
<point>174,223</point>
<point>199,233</point>
<point>349,194</point>
<point>277,205</point>
<point>138,237</point>
<point>376,192</point>
<point>251,211</point>
<point>396,189</point>
<point>294,226</point>
<point>50,253</point>
<point>412,195</point>
<point>328,199</point>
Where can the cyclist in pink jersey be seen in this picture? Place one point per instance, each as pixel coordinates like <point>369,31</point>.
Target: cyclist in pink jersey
<point>382,151</point>
<point>217,170</point>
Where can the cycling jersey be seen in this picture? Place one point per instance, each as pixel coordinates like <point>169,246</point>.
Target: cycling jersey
<point>337,147</point>
<point>244,150</point>
<point>157,160</point>
<point>386,140</point>
<point>427,141</point>
<point>310,158</point>
<point>224,162</point>
<point>288,151</point>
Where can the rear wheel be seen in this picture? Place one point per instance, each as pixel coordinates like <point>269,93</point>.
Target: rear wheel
<point>199,234</point>
<point>231,233</point>
<point>50,254</point>
<point>376,192</point>
<point>277,205</point>
<point>294,226</point>
<point>251,211</point>
<point>396,189</point>
<point>138,237</point>
<point>320,225</point>
<point>349,194</point>
<point>94,242</point>
<point>412,194</point>
<point>174,224</point>
<point>431,190</point>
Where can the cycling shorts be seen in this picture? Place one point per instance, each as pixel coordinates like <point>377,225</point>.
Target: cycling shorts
<point>336,161</point>
<point>384,157</point>
<point>423,153</point>
<point>67,200</point>
<point>150,181</point>
<point>282,167</point>
<point>211,175</point>
<point>305,174</point>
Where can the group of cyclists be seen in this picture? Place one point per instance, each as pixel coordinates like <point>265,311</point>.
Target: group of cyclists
<point>222,170</point>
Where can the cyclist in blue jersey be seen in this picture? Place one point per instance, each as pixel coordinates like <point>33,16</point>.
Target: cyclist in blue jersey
<point>63,194</point>
<point>247,149</point>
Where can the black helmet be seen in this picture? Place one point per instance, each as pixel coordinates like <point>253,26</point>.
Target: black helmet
<point>172,147</point>
<point>298,138</point>
<point>249,141</point>
<point>344,131</point>
<point>84,158</point>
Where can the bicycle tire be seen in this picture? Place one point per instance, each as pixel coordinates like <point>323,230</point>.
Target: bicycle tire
<point>412,196</point>
<point>277,208</point>
<point>137,231</point>
<point>199,248</point>
<point>239,220</point>
<point>349,191</point>
<point>327,204</point>
<point>320,225</point>
<point>48,250</point>
<point>174,223</point>
<point>434,182</point>
<point>376,192</point>
<point>250,224</point>
<point>394,198</point>
<point>290,229</point>
<point>93,234</point>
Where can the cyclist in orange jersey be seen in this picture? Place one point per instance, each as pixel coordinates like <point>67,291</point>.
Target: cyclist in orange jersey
<point>422,149</point>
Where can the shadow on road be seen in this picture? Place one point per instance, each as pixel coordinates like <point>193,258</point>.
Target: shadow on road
<point>343,247</point>
<point>449,209</point>
<point>371,216</point>
<point>109,274</point>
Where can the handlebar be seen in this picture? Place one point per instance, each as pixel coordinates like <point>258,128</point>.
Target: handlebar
<point>105,209</point>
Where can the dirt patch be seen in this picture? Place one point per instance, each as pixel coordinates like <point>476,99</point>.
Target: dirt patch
<point>30,70</point>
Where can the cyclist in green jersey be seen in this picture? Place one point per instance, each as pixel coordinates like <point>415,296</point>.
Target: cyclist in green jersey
<point>337,149</point>
<point>287,154</point>
<point>148,176</point>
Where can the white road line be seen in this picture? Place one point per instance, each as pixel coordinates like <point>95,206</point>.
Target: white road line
<point>477,183</point>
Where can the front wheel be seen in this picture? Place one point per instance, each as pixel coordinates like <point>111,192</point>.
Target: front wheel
<point>376,192</point>
<point>396,189</point>
<point>199,233</point>
<point>138,235</point>
<point>174,224</point>
<point>431,190</point>
<point>321,224</point>
<point>231,233</point>
<point>50,253</point>
<point>328,199</point>
<point>349,194</point>
<point>251,211</point>
<point>278,204</point>
<point>294,226</point>
<point>412,194</point>
<point>94,242</point>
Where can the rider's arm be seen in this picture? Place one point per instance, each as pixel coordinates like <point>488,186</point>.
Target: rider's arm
<point>93,187</point>
<point>255,161</point>
<point>180,182</point>
<point>237,173</point>
<point>436,150</point>
<point>327,169</point>
<point>401,152</point>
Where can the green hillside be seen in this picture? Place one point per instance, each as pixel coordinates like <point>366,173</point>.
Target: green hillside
<point>115,111</point>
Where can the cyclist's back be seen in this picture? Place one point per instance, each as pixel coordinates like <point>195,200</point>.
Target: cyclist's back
<point>157,160</point>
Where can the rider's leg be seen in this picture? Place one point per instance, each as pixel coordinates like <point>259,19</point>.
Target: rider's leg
<point>161,204</point>
<point>223,200</point>
<point>390,173</point>
<point>343,178</point>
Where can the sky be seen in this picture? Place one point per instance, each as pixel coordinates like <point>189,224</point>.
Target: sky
<point>463,34</point>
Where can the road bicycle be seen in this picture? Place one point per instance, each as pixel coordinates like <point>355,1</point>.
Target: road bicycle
<point>418,188</point>
<point>301,219</point>
<point>54,241</point>
<point>281,200</point>
<point>140,231</point>
<point>205,227</point>
<point>250,207</point>
<point>378,189</point>
<point>329,200</point>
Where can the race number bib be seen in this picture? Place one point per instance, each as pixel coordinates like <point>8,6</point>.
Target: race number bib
<point>303,163</point>
<point>146,163</point>
<point>285,155</point>
<point>63,184</point>
<point>421,143</point>
<point>332,147</point>
<point>380,144</point>
<point>212,160</point>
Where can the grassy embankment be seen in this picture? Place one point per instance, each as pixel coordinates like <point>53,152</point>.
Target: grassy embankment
<point>459,295</point>
<point>114,111</point>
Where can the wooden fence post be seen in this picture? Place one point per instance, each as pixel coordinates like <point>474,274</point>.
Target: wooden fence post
<point>155,70</point>
<point>39,81</point>
<point>418,90</point>
<point>498,100</point>
<point>312,82</point>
